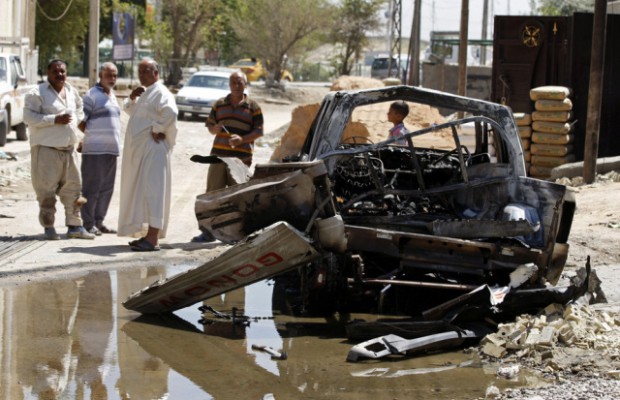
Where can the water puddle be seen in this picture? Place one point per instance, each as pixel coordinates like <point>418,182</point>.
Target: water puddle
<point>73,339</point>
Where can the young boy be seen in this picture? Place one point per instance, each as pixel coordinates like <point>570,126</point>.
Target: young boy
<point>396,114</point>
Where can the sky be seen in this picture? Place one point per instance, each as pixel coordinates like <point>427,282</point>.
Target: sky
<point>445,15</point>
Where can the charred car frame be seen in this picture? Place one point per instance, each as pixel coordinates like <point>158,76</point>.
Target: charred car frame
<point>390,228</point>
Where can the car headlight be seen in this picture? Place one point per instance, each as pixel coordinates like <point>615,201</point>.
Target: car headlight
<point>181,99</point>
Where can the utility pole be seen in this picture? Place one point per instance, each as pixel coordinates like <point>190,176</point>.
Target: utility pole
<point>597,64</point>
<point>485,23</point>
<point>395,36</point>
<point>463,47</point>
<point>93,43</point>
<point>414,57</point>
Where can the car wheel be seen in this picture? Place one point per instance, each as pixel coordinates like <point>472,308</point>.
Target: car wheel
<point>21,132</point>
<point>4,128</point>
<point>181,115</point>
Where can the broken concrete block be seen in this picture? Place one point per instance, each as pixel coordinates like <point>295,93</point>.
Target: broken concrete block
<point>566,335</point>
<point>540,321</point>
<point>522,353</point>
<point>505,330</point>
<point>551,366</point>
<point>494,339</point>
<point>572,314</point>
<point>516,342</point>
<point>554,309</point>
<point>532,336</point>
<point>547,336</point>
<point>602,326</point>
<point>615,374</point>
<point>492,350</point>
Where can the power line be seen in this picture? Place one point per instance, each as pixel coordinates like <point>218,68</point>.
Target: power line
<point>52,18</point>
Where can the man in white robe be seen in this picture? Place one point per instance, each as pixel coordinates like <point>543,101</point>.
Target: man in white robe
<point>145,169</point>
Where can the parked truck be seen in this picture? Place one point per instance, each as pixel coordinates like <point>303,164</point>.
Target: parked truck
<point>13,88</point>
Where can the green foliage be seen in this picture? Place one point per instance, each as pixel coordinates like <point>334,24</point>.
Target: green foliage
<point>61,31</point>
<point>274,30</point>
<point>565,7</point>
<point>355,18</point>
<point>315,72</point>
<point>185,28</point>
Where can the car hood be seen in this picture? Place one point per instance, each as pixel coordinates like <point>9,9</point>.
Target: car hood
<point>201,93</point>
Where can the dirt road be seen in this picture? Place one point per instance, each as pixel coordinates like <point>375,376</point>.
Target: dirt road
<point>19,210</point>
<point>595,233</point>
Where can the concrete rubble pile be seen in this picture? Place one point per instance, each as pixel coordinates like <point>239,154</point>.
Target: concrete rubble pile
<point>546,339</point>
<point>611,176</point>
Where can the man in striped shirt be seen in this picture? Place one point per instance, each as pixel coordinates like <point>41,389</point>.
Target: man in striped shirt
<point>236,121</point>
<point>100,149</point>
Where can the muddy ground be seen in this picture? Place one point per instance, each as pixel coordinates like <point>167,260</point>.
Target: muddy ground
<point>595,232</point>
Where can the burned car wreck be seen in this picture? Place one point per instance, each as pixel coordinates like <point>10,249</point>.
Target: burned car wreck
<point>349,225</point>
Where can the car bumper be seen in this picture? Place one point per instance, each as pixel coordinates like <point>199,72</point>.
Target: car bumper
<point>194,108</point>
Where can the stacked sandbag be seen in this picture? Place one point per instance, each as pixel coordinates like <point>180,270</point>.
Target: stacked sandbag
<point>293,139</point>
<point>552,136</point>
<point>524,123</point>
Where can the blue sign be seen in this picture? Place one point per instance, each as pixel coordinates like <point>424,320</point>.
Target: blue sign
<point>123,28</point>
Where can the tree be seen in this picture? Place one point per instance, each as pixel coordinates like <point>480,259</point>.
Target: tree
<point>355,18</point>
<point>185,27</point>
<point>565,7</point>
<point>272,30</point>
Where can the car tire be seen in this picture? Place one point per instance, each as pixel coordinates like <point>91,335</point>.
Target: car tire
<point>21,132</point>
<point>4,128</point>
<point>181,115</point>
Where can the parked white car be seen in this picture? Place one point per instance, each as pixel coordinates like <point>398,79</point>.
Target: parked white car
<point>13,89</point>
<point>201,91</point>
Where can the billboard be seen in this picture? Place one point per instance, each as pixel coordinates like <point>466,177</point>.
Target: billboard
<point>123,29</point>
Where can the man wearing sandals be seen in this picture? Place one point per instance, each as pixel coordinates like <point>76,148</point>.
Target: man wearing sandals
<point>100,149</point>
<point>145,169</point>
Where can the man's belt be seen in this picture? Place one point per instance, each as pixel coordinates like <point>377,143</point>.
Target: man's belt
<point>66,148</point>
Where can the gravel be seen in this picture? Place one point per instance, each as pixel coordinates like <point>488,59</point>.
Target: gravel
<point>595,388</point>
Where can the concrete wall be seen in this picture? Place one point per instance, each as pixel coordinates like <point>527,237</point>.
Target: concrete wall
<point>445,77</point>
<point>17,19</point>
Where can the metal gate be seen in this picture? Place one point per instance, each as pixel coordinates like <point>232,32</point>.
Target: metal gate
<point>529,52</point>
